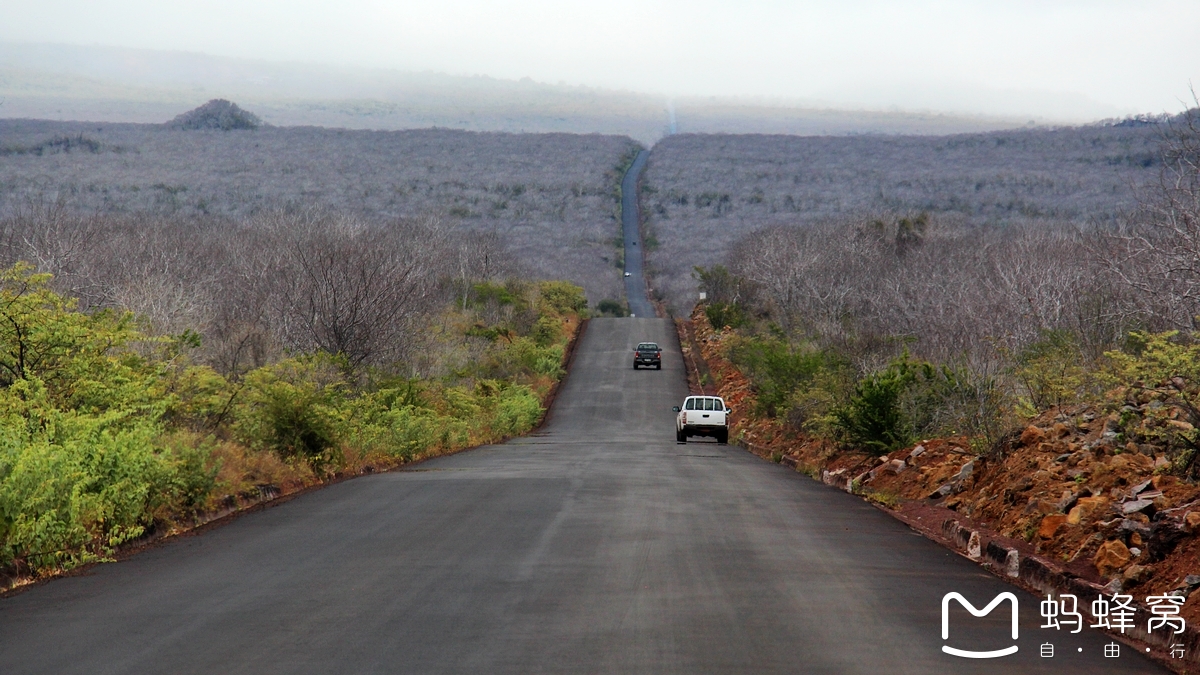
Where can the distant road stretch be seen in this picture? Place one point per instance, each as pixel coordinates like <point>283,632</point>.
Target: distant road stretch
<point>635,283</point>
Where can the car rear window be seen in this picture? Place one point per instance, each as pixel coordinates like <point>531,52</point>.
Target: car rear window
<point>647,347</point>
<point>704,403</point>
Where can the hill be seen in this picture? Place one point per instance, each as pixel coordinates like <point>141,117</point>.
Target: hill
<point>717,188</point>
<point>550,197</point>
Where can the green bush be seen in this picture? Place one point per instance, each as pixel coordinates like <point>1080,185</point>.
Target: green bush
<point>517,409</point>
<point>612,308</point>
<point>562,298</point>
<point>911,398</point>
<point>384,423</point>
<point>777,369</point>
<point>105,433</point>
<point>1165,367</point>
<point>291,409</point>
<point>1052,372</point>
<point>873,418</point>
<point>78,490</point>
<point>723,315</point>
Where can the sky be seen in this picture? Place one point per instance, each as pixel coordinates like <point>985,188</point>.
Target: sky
<point>1058,59</point>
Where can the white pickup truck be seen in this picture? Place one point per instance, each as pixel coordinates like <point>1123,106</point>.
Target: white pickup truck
<point>702,416</point>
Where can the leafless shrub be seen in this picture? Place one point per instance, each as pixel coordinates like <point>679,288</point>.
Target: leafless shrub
<point>702,194</point>
<point>549,197</point>
<point>256,288</point>
<point>1156,251</point>
<point>951,292</point>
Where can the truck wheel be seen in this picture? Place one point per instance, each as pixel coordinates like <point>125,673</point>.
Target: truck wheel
<point>658,366</point>
<point>723,437</point>
<point>635,366</point>
<point>680,437</point>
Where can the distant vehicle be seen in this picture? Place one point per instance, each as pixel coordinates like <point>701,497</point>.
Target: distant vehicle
<point>647,354</point>
<point>628,274</point>
<point>702,416</point>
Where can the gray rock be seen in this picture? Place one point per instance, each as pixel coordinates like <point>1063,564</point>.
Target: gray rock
<point>1068,501</point>
<point>1136,505</point>
<point>1130,525</point>
<point>965,471</point>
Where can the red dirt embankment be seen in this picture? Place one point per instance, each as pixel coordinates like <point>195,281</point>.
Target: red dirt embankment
<point>1059,498</point>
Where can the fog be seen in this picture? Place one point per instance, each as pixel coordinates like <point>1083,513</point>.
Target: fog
<point>1068,60</point>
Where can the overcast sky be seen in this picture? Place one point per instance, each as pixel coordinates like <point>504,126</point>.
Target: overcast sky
<point>1053,58</point>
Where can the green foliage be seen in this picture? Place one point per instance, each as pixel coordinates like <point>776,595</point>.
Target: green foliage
<point>522,356</point>
<point>873,417</point>
<point>106,434</point>
<point>1163,367</point>
<point>723,315</point>
<point>1157,359</point>
<point>42,337</point>
<point>292,409</point>
<point>486,292</point>
<point>562,298</point>
<point>778,369</point>
<point>911,398</point>
<point>612,308</point>
<point>1052,372</point>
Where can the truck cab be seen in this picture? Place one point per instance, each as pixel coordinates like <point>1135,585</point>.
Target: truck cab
<point>702,416</point>
<point>647,354</point>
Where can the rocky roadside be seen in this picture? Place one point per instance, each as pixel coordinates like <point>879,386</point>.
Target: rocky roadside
<point>1060,506</point>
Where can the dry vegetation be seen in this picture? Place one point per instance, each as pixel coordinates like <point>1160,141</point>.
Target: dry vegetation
<point>1043,380</point>
<point>551,198</point>
<point>701,194</point>
<point>155,370</point>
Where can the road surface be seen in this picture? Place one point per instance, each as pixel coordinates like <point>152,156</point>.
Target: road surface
<point>598,545</point>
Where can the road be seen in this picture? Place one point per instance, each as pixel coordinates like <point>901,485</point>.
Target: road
<point>597,545</point>
<point>635,280</point>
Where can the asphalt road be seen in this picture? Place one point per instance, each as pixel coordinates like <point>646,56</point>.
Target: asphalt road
<point>635,282</point>
<point>598,545</point>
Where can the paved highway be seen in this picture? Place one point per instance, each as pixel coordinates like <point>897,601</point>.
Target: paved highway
<point>598,545</point>
<point>635,283</point>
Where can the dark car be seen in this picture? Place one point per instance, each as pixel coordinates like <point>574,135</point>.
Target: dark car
<point>647,354</point>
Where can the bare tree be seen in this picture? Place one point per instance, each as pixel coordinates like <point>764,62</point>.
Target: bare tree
<point>1157,251</point>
